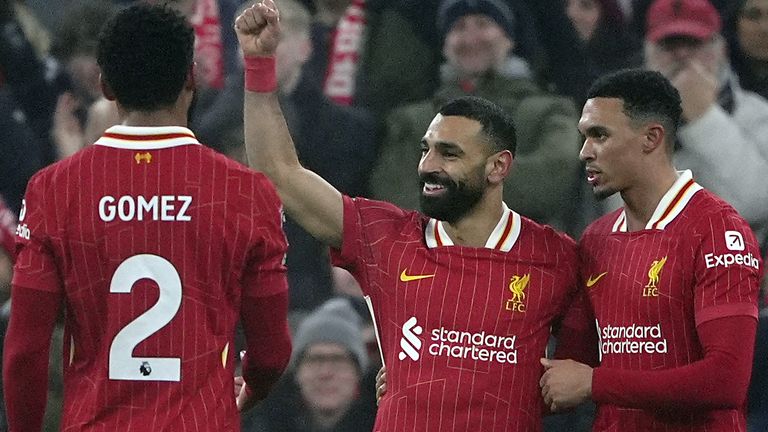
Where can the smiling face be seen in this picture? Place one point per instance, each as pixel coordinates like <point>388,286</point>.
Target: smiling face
<point>452,170</point>
<point>612,147</point>
<point>476,44</point>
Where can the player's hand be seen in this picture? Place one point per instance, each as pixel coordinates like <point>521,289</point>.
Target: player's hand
<point>698,90</point>
<point>243,395</point>
<point>381,383</point>
<point>258,29</point>
<point>565,384</point>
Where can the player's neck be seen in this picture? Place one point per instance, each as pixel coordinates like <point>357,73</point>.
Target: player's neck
<point>641,200</point>
<point>474,229</point>
<point>154,118</point>
<point>173,115</point>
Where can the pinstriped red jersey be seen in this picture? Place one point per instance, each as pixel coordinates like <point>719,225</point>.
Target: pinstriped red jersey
<point>152,239</point>
<point>462,329</point>
<point>696,260</point>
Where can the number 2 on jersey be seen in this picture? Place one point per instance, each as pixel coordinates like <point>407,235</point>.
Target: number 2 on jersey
<point>122,364</point>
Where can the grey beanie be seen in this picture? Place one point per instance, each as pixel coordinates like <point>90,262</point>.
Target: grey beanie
<point>334,321</point>
<point>452,10</point>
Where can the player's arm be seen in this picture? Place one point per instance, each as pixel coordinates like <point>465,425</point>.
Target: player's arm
<point>268,345</point>
<point>718,381</point>
<point>264,306</point>
<point>25,356</point>
<point>577,335</point>
<point>308,199</point>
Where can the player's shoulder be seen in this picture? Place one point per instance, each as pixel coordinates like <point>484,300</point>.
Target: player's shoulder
<point>602,225</point>
<point>371,208</point>
<point>542,233</point>
<point>54,173</point>
<point>706,211</point>
<point>236,169</point>
<point>385,216</point>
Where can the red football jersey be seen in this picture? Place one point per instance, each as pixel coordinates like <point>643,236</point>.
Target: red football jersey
<point>153,239</point>
<point>462,329</point>
<point>696,260</point>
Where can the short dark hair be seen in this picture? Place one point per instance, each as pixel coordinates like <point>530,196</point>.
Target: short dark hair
<point>145,52</point>
<point>496,124</point>
<point>647,96</point>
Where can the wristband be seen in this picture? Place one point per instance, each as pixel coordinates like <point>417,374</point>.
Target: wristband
<point>260,74</point>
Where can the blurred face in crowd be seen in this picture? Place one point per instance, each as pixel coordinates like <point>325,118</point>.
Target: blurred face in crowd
<point>328,377</point>
<point>753,29</point>
<point>85,76</point>
<point>611,146</point>
<point>476,44</point>
<point>584,14</point>
<point>452,170</point>
<point>672,54</point>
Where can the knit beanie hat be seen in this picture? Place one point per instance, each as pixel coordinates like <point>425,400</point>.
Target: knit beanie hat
<point>334,321</point>
<point>452,10</point>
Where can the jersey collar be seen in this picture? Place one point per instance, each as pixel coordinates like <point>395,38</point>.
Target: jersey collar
<point>671,205</point>
<point>146,137</point>
<point>502,238</point>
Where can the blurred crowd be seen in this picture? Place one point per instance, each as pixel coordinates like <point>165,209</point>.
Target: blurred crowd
<point>359,82</point>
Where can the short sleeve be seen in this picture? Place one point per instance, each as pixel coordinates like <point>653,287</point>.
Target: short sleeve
<point>352,237</point>
<point>36,266</point>
<point>727,265</point>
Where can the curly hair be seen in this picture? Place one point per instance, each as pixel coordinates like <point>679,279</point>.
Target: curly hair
<point>145,53</point>
<point>647,96</point>
<point>496,124</point>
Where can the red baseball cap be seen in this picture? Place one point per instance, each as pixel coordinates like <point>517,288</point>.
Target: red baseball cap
<point>693,18</point>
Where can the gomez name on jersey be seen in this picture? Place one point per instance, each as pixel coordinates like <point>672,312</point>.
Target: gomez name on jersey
<point>162,208</point>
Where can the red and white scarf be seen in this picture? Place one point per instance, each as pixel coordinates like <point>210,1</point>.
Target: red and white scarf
<point>345,54</point>
<point>209,48</point>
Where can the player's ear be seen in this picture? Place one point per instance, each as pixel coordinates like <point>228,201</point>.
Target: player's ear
<point>106,89</point>
<point>498,166</point>
<point>654,137</point>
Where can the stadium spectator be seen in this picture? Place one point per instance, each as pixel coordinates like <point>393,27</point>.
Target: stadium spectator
<point>724,136</point>
<point>322,389</point>
<point>479,61</point>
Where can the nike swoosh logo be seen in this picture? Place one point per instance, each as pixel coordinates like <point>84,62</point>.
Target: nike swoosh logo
<point>408,278</point>
<point>593,280</point>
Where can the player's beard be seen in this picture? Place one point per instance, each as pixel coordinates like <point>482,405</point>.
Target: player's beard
<point>458,199</point>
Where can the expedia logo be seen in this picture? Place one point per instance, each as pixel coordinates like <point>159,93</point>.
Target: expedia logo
<point>23,212</point>
<point>22,230</point>
<point>734,241</point>
<point>727,260</point>
<point>410,343</point>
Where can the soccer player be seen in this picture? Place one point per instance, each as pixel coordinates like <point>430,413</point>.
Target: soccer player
<point>155,246</point>
<point>672,276</point>
<point>464,295</point>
